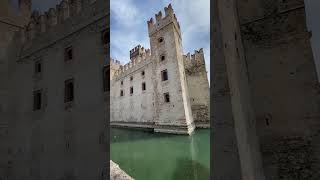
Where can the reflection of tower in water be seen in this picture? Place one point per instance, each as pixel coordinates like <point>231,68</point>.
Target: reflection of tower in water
<point>193,151</point>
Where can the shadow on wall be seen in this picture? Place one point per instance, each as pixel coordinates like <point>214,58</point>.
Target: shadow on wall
<point>188,169</point>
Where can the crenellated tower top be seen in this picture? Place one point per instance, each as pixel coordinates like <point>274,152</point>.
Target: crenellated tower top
<point>136,51</point>
<point>41,22</point>
<point>160,21</point>
<point>138,55</point>
<point>194,63</point>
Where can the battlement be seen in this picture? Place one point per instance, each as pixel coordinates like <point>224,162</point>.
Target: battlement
<point>136,51</point>
<point>194,59</point>
<point>139,52</point>
<point>161,21</point>
<point>114,61</point>
<point>145,55</point>
<point>41,22</point>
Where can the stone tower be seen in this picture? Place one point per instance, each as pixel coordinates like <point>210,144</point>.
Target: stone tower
<point>266,92</point>
<point>198,87</point>
<point>166,50</point>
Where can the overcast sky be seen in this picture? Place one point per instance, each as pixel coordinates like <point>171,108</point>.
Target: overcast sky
<point>129,25</point>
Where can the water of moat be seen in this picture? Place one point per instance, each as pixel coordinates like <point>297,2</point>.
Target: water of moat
<point>147,155</point>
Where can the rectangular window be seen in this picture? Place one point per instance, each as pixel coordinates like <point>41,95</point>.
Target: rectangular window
<point>143,86</point>
<point>37,67</point>
<point>68,53</point>
<point>166,97</point>
<point>164,75</point>
<point>131,90</point>
<point>37,100</point>
<point>121,82</point>
<point>142,73</point>
<point>121,93</point>
<point>68,90</point>
<point>106,78</point>
<point>131,78</point>
<point>162,58</point>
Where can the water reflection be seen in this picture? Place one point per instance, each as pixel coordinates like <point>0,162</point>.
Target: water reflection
<point>190,170</point>
<point>148,155</point>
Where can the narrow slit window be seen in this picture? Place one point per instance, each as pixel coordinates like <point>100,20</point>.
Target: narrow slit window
<point>162,58</point>
<point>68,53</point>
<point>38,67</point>
<point>164,75</point>
<point>166,97</point>
<point>131,78</point>
<point>69,91</point>
<point>131,90</point>
<point>121,93</point>
<point>142,73</point>
<point>121,82</point>
<point>37,100</point>
<point>143,86</point>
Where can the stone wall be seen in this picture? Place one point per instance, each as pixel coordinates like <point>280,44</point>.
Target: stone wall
<point>133,109</point>
<point>242,109</point>
<point>273,86</point>
<point>10,25</point>
<point>284,87</point>
<point>60,133</point>
<point>198,87</point>
<point>225,162</point>
<point>116,173</point>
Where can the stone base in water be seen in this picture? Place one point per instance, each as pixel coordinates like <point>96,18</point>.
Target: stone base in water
<point>202,125</point>
<point>161,128</point>
<point>118,174</point>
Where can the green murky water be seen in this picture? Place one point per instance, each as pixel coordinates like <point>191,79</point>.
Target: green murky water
<point>156,156</point>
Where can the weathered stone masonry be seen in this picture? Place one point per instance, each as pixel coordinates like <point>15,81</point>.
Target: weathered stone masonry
<point>53,140</point>
<point>273,90</point>
<point>186,83</point>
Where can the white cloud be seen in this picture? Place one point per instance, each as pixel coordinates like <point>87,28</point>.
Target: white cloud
<point>125,12</point>
<point>194,19</point>
<point>194,14</point>
<point>123,43</point>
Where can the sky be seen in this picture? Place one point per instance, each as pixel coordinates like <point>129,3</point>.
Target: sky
<point>129,18</point>
<point>312,12</point>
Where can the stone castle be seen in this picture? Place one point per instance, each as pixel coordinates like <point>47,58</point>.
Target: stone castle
<point>161,88</point>
<point>53,91</point>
